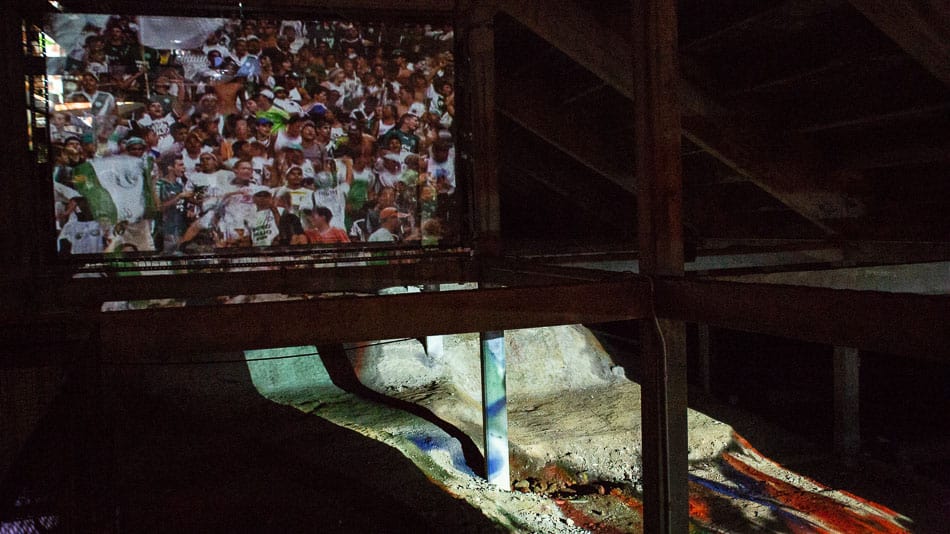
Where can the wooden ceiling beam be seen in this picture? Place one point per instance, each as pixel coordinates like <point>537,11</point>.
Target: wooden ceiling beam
<point>920,27</point>
<point>904,114</point>
<point>855,61</point>
<point>145,335</point>
<point>796,179</point>
<point>521,101</point>
<point>894,323</point>
<point>775,17</point>
<point>921,278</point>
<point>877,159</point>
<point>51,293</point>
<point>785,170</point>
<point>607,210</point>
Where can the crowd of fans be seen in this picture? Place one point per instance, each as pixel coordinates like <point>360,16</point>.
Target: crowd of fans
<point>274,132</point>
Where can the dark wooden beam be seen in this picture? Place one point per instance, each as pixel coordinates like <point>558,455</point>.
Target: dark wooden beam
<point>779,17</point>
<point>189,332</point>
<point>563,173</point>
<point>905,114</point>
<point>22,208</point>
<point>475,27</point>
<point>882,159</point>
<point>893,323</point>
<point>856,60</point>
<point>796,179</point>
<point>570,195</point>
<point>522,101</point>
<point>72,292</point>
<point>788,170</point>
<point>580,36</point>
<point>660,231</point>
<point>920,27</point>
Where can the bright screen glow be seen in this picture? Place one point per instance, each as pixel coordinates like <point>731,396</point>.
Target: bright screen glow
<point>176,136</point>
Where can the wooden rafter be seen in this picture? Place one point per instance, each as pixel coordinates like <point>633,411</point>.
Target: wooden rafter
<point>893,323</point>
<point>904,114</point>
<point>802,187</point>
<point>920,27</point>
<point>877,159</point>
<point>776,16</point>
<point>580,139</point>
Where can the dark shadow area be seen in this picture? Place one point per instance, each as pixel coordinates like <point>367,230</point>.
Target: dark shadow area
<point>197,449</point>
<point>341,373</point>
<point>57,480</point>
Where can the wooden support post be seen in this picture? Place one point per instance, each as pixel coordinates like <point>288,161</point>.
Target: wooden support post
<point>705,357</point>
<point>19,251</point>
<point>660,229</point>
<point>495,409</point>
<point>847,437</point>
<point>479,35</point>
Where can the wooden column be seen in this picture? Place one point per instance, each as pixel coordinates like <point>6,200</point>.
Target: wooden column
<point>659,204</point>
<point>495,409</point>
<point>22,208</point>
<point>847,437</point>
<point>479,34</point>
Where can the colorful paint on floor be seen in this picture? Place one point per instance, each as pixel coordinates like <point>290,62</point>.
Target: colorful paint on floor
<point>733,488</point>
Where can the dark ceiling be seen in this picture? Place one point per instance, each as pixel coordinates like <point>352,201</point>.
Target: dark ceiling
<point>801,119</point>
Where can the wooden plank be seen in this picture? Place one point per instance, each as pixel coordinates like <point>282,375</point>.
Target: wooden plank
<point>920,27</point>
<point>894,323</point>
<point>660,231</point>
<point>163,333</point>
<point>286,280</point>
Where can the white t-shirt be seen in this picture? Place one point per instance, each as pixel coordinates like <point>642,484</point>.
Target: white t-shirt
<point>215,186</point>
<point>264,228</point>
<point>238,209</point>
<point>162,127</point>
<point>84,237</point>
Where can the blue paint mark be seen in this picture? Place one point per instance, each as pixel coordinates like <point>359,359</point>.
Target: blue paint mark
<point>429,444</point>
<point>735,493</point>
<point>497,408</point>
<point>496,465</point>
<point>744,493</point>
